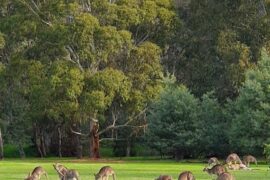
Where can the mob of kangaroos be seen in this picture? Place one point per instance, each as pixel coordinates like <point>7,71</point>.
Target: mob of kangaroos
<point>232,162</point>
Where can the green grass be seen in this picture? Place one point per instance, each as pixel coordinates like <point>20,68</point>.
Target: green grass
<point>125,169</point>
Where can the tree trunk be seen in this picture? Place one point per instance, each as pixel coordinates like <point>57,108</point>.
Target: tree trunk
<point>59,141</point>
<point>79,148</point>
<point>94,140</point>
<point>1,146</point>
<point>38,146</point>
<point>43,146</point>
<point>128,148</point>
<point>21,151</point>
<point>79,151</point>
<point>178,154</point>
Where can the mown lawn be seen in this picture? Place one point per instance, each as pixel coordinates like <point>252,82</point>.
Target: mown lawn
<point>125,169</point>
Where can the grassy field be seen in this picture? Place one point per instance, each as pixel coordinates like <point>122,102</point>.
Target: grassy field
<point>125,169</point>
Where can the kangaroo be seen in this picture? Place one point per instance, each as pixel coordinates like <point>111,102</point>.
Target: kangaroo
<point>71,174</point>
<point>60,169</point>
<point>213,161</point>
<point>216,169</point>
<point>36,174</point>
<point>238,167</point>
<point>233,158</point>
<point>225,176</point>
<point>186,175</point>
<point>248,159</point>
<point>164,177</point>
<point>105,172</point>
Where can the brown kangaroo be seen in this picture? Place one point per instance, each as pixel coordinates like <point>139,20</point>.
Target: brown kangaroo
<point>233,158</point>
<point>186,175</point>
<point>164,177</point>
<point>216,169</point>
<point>60,169</point>
<point>225,176</point>
<point>71,174</point>
<point>238,167</point>
<point>36,174</point>
<point>213,161</point>
<point>105,172</point>
<point>248,159</point>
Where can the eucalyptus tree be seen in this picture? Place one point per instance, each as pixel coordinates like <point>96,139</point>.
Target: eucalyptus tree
<point>83,66</point>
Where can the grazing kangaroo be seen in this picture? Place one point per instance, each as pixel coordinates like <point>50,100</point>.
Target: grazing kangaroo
<point>60,169</point>
<point>213,161</point>
<point>186,175</point>
<point>248,159</point>
<point>71,174</point>
<point>105,172</point>
<point>36,174</point>
<point>164,177</point>
<point>225,176</point>
<point>216,169</point>
<point>233,158</point>
<point>238,167</point>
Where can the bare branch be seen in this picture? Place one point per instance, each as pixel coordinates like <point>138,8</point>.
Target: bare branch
<point>35,13</point>
<point>110,139</point>
<point>93,119</point>
<point>118,127</point>
<point>75,57</point>
<point>144,38</point>
<point>35,5</point>
<point>78,133</point>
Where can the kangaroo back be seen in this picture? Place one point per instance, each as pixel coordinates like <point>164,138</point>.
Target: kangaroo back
<point>186,175</point>
<point>105,171</point>
<point>60,169</point>
<point>233,158</point>
<point>164,177</point>
<point>37,173</point>
<point>248,159</point>
<point>217,169</point>
<point>71,174</point>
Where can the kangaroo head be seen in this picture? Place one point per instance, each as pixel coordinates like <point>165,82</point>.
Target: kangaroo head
<point>205,169</point>
<point>97,176</point>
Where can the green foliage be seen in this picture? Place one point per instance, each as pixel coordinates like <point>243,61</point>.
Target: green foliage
<point>2,41</point>
<point>266,152</point>
<point>212,127</point>
<point>172,122</point>
<point>250,124</point>
<point>104,87</point>
<point>218,42</point>
<point>63,61</point>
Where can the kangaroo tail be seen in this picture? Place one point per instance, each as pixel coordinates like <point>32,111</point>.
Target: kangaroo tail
<point>46,174</point>
<point>225,168</point>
